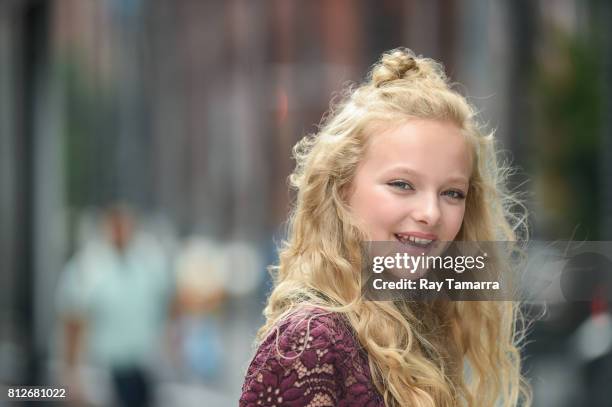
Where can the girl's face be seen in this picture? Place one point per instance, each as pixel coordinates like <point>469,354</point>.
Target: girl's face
<point>412,183</point>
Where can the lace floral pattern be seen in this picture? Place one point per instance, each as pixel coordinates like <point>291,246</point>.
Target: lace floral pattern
<point>310,360</point>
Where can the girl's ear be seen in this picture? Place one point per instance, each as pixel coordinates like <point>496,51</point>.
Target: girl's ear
<point>345,192</point>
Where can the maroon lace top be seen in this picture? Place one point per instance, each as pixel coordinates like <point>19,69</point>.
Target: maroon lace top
<point>313,360</point>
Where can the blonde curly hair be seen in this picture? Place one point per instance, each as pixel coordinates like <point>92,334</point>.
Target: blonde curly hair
<point>420,353</point>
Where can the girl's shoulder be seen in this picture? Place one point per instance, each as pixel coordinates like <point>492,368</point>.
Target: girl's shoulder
<point>315,325</point>
<point>309,333</point>
<point>310,354</point>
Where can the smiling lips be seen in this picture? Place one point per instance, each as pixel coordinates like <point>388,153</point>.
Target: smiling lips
<point>418,239</point>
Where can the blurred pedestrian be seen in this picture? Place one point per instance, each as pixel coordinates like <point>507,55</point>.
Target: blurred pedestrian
<point>113,299</point>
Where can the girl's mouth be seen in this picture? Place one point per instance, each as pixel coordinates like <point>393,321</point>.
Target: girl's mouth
<point>411,240</point>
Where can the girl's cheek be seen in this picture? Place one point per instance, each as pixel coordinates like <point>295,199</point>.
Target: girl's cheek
<point>454,219</point>
<point>390,209</point>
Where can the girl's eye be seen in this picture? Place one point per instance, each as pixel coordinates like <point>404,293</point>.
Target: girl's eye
<point>458,195</point>
<point>403,185</point>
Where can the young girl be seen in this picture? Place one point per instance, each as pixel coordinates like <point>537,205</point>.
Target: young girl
<point>400,158</point>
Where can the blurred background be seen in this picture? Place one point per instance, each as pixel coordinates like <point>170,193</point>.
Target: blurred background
<point>144,152</point>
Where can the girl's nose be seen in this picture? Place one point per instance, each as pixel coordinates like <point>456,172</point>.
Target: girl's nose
<point>427,210</point>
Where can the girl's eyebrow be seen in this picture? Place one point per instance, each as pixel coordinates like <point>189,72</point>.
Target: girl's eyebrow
<point>403,169</point>
<point>409,171</point>
<point>459,179</point>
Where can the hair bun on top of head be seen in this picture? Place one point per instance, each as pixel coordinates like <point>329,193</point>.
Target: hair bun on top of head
<point>393,65</point>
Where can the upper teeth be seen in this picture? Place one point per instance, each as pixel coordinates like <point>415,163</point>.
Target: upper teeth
<point>414,239</point>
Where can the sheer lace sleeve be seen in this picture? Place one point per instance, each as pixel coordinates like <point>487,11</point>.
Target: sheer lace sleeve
<point>311,360</point>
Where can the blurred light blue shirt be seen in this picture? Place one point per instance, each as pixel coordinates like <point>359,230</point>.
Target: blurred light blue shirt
<point>123,298</point>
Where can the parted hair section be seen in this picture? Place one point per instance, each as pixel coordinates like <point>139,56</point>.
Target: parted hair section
<point>418,353</point>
